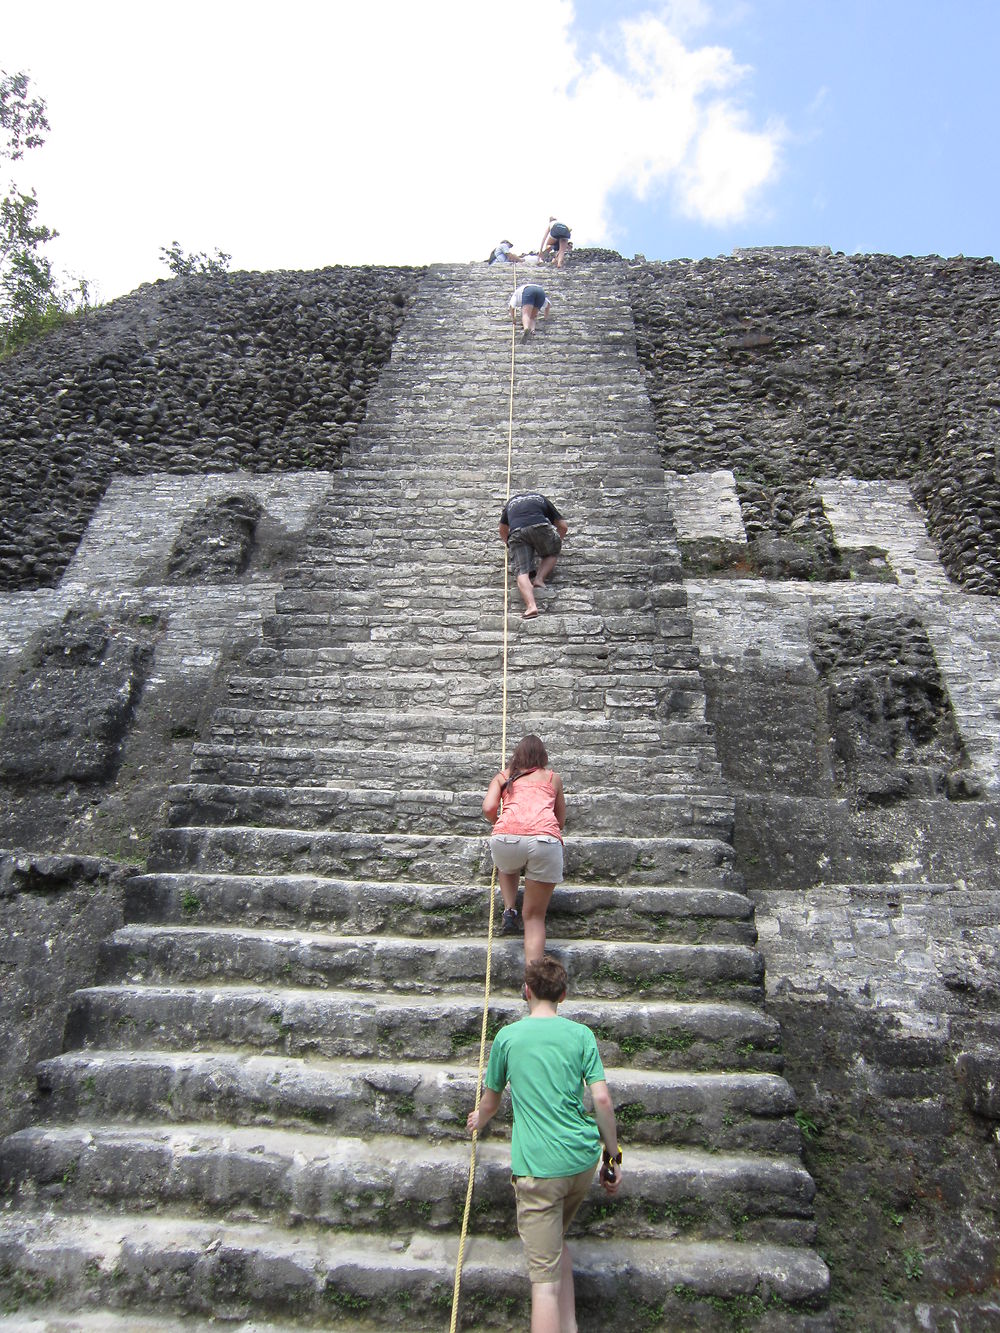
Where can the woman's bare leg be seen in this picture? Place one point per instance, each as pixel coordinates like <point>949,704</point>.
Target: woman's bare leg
<point>533,909</point>
<point>508,882</point>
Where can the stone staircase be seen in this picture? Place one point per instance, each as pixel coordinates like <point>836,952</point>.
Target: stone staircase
<point>259,1114</point>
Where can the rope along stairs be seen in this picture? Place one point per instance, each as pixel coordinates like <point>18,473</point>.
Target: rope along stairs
<point>259,1113</point>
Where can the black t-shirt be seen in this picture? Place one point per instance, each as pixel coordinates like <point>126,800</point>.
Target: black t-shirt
<point>527,510</point>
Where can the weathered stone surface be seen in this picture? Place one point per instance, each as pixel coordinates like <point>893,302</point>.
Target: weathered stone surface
<point>214,544</point>
<point>54,912</point>
<point>265,985</point>
<point>66,714</point>
<point>266,372</point>
<point>788,365</point>
<point>979,1073</point>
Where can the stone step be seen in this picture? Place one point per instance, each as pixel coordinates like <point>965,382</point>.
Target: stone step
<point>478,658</point>
<point>482,467</point>
<point>426,810</point>
<point>371,907</point>
<point>414,1100</point>
<point>190,1266</point>
<point>694,769</point>
<point>432,858</point>
<point>389,1183</point>
<point>384,598</point>
<point>675,694</point>
<point>334,1024</point>
<point>48,1319</point>
<point>404,964</point>
<point>599,633</point>
<point>642,734</point>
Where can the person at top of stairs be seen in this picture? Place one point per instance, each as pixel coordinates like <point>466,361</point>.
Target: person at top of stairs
<point>556,238</point>
<point>555,1146</point>
<point>504,254</point>
<point>526,805</point>
<point>530,526</point>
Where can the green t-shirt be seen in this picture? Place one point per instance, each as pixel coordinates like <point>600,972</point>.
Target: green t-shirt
<point>546,1061</point>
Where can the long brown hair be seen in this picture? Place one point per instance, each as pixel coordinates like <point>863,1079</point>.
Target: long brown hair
<point>529,753</point>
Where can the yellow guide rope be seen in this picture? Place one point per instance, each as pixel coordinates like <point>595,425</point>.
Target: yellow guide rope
<point>493,878</point>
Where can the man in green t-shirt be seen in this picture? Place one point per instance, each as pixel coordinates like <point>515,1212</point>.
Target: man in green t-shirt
<point>555,1145</point>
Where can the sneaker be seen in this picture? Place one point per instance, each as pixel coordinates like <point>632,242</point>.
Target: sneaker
<point>510,924</point>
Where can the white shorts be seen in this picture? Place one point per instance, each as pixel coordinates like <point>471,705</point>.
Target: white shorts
<point>540,857</point>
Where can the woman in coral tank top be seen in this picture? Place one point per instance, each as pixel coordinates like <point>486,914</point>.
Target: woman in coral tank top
<point>527,808</point>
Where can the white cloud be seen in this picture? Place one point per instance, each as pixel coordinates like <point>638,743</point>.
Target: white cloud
<point>343,133</point>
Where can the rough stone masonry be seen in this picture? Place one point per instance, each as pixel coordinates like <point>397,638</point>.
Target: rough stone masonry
<point>829,430</point>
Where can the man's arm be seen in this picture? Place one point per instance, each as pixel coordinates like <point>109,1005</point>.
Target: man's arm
<point>604,1112</point>
<point>561,526</point>
<point>504,531</point>
<point>489,1104</point>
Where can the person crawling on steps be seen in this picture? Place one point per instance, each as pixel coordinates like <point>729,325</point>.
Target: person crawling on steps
<point>555,1145</point>
<point>531,527</point>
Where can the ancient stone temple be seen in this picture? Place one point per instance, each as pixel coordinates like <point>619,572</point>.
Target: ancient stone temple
<point>251,661</point>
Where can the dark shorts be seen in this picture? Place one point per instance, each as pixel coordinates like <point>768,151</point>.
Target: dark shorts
<point>559,231</point>
<point>524,543</point>
<point>533,296</point>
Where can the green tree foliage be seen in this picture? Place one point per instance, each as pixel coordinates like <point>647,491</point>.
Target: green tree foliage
<point>183,265</point>
<point>31,299</point>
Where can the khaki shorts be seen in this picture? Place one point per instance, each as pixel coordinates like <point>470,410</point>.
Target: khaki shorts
<point>541,858</point>
<point>545,1208</point>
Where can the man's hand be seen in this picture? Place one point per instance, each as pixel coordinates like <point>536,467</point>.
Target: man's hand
<point>489,1104</point>
<point>609,1185</point>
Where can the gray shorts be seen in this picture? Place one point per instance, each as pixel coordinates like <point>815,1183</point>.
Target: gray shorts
<point>541,857</point>
<point>524,544</point>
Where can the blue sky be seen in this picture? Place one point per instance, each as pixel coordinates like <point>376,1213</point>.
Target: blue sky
<point>316,134</point>
<point>891,113</point>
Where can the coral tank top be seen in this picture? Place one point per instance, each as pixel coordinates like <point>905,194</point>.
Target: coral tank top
<point>529,809</point>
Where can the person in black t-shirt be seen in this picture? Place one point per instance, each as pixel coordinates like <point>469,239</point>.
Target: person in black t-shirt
<point>532,527</point>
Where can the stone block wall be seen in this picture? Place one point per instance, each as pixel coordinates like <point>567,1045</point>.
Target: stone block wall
<point>858,725</point>
<point>54,913</point>
<point>107,678</point>
<point>264,372</point>
<point>787,366</point>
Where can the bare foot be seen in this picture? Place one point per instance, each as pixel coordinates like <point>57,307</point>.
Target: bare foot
<point>530,613</point>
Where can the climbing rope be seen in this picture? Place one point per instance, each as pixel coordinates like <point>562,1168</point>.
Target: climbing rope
<point>493,878</point>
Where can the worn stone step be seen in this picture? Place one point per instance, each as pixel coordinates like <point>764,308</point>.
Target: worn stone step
<point>190,1266</point>
<point>45,1318</point>
<point>673,697</point>
<point>389,1183</point>
<point>419,909</point>
<point>694,769</point>
<point>477,658</point>
<point>335,1024</point>
<point>643,735</point>
<point>705,862</point>
<point>414,1100</point>
<point>427,810</point>
<point>664,971</point>
<point>383,599</point>
<point>599,635</point>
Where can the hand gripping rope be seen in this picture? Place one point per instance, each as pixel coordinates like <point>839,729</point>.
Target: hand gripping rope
<point>493,878</point>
